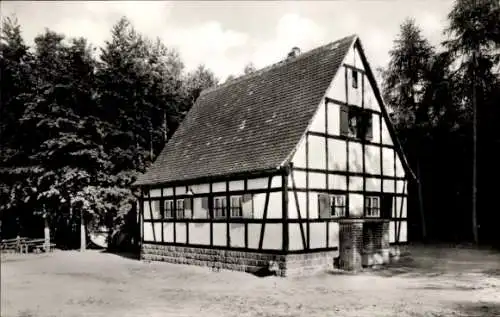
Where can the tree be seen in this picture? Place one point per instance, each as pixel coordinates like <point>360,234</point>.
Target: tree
<point>194,83</point>
<point>249,68</point>
<point>405,83</point>
<point>474,30</point>
<point>15,68</point>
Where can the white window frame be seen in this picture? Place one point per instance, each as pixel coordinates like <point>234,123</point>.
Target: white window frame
<point>168,213</point>
<point>180,209</point>
<point>219,207</point>
<point>236,211</point>
<point>372,206</point>
<point>338,205</point>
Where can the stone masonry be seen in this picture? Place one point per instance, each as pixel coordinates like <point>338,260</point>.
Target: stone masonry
<point>285,265</point>
<point>364,243</point>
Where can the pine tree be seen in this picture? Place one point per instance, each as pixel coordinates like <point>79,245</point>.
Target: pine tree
<point>405,83</point>
<point>474,30</point>
<point>16,74</point>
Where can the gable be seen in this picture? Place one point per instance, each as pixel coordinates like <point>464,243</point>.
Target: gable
<point>343,94</point>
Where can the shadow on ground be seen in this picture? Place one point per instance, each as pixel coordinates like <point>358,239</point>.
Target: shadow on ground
<point>436,260</point>
<point>483,309</point>
<point>124,254</point>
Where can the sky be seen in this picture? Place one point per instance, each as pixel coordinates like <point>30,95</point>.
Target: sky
<point>227,35</point>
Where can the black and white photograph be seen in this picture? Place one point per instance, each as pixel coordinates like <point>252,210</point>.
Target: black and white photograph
<point>250,158</point>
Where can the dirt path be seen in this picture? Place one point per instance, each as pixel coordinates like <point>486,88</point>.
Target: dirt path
<point>436,282</point>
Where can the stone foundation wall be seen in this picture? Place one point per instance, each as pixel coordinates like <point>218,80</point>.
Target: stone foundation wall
<point>283,265</point>
<point>310,263</point>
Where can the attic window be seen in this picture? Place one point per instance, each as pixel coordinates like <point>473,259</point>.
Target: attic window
<point>354,78</point>
<point>356,123</point>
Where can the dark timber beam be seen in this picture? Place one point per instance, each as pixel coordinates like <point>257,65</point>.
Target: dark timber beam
<point>284,204</point>
<point>297,206</point>
<point>264,217</point>
<point>151,214</point>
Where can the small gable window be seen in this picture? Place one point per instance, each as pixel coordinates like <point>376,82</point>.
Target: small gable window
<point>372,206</point>
<point>354,78</point>
<point>356,122</point>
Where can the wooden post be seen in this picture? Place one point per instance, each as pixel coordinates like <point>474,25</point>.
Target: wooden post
<point>46,232</point>
<point>474,151</point>
<point>83,242</point>
<point>420,202</point>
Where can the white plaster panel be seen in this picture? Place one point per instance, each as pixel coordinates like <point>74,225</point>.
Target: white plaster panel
<point>355,205</point>
<point>273,236</point>
<point>317,235</point>
<point>168,232</point>
<point>337,155</point>
<point>338,182</point>
<point>219,234</point>
<point>317,152</point>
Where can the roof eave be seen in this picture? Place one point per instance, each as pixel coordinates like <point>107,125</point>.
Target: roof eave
<point>214,178</point>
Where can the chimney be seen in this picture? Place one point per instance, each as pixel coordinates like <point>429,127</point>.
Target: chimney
<point>294,52</point>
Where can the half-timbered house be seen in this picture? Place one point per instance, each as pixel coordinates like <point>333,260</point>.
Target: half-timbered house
<point>296,164</point>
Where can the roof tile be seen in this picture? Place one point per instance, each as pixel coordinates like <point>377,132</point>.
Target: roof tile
<point>250,123</point>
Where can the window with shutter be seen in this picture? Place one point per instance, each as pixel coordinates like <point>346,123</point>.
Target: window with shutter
<point>372,206</point>
<point>356,122</point>
<point>235,207</point>
<point>180,209</point>
<point>337,205</point>
<point>220,206</point>
<point>169,209</point>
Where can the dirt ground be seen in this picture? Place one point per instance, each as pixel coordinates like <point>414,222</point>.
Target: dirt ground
<point>435,281</point>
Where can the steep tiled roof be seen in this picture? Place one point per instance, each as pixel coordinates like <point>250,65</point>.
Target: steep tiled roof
<point>251,123</point>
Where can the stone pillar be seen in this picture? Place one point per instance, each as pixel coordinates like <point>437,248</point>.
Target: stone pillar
<point>382,245</point>
<point>350,244</point>
<point>370,247</point>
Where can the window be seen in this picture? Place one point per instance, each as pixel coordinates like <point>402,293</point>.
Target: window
<point>355,122</point>
<point>337,205</point>
<point>331,205</point>
<point>220,207</point>
<point>236,208</point>
<point>169,209</point>
<point>180,209</point>
<point>372,206</point>
<point>354,78</point>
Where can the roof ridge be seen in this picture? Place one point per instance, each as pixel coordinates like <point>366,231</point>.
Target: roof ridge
<point>275,65</point>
